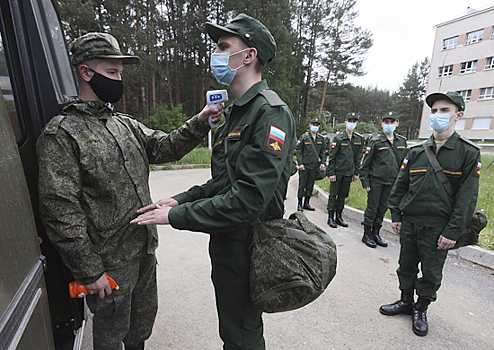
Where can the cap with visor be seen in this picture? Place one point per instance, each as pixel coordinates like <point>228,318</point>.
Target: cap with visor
<point>451,96</point>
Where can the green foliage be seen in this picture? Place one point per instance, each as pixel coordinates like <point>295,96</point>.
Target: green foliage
<point>166,119</point>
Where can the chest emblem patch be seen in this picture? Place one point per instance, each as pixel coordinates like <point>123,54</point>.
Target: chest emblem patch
<point>404,164</point>
<point>367,150</point>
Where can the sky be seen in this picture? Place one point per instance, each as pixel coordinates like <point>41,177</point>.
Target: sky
<point>403,33</point>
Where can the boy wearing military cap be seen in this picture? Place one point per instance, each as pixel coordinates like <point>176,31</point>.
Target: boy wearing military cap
<point>311,155</point>
<point>259,139</point>
<point>427,217</point>
<point>380,165</point>
<point>93,176</point>
<point>345,155</point>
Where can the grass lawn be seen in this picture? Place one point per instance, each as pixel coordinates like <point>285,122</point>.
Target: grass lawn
<point>485,202</point>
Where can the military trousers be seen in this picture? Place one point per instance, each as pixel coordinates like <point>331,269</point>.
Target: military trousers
<point>306,179</point>
<point>126,315</point>
<point>377,204</point>
<point>240,323</point>
<point>419,245</point>
<point>338,191</point>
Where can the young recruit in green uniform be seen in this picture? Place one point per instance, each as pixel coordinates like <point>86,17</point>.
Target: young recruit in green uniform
<point>380,164</point>
<point>93,176</point>
<point>260,134</point>
<point>311,155</point>
<point>343,168</point>
<point>427,218</point>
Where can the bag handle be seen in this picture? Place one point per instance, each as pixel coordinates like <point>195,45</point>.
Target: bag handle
<point>439,170</point>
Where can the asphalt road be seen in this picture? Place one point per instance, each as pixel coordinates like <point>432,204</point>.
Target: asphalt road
<point>346,316</point>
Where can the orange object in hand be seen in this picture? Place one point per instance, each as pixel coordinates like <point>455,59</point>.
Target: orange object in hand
<point>78,289</point>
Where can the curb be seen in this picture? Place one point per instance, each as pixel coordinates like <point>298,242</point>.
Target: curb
<point>474,254</point>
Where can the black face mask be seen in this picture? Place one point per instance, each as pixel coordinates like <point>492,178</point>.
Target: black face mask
<point>108,90</point>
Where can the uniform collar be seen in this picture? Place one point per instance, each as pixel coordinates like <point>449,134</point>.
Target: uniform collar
<point>90,108</point>
<point>450,143</point>
<point>252,92</point>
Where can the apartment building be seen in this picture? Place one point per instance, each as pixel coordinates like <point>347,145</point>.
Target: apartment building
<point>463,61</point>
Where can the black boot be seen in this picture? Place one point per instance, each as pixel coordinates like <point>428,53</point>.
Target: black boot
<point>419,319</point>
<point>299,207</point>
<point>331,219</point>
<point>339,219</point>
<point>307,205</point>
<point>377,237</point>
<point>402,306</point>
<point>368,237</point>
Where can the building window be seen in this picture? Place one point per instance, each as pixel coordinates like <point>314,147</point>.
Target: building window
<point>460,124</point>
<point>489,63</point>
<point>465,94</point>
<point>492,35</point>
<point>481,123</point>
<point>445,71</point>
<point>468,67</point>
<point>474,37</point>
<point>486,93</point>
<point>450,43</point>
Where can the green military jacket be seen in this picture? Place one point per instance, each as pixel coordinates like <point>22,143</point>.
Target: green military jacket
<point>306,154</point>
<point>378,165</point>
<point>419,196</point>
<point>261,139</point>
<point>93,176</point>
<point>345,155</point>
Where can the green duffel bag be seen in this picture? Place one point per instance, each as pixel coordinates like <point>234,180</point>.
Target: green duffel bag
<point>470,235</point>
<point>292,263</point>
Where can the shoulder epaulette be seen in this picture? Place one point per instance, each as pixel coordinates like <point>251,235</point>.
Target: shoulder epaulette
<point>470,142</point>
<point>272,97</point>
<point>52,126</point>
<point>356,133</point>
<point>417,144</point>
<point>400,136</point>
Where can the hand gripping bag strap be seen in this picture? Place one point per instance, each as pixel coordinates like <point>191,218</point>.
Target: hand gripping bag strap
<point>439,170</point>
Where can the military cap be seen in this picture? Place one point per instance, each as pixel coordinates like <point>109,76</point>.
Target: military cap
<point>251,31</point>
<point>390,115</point>
<point>351,116</point>
<point>315,120</point>
<point>451,96</point>
<point>98,45</point>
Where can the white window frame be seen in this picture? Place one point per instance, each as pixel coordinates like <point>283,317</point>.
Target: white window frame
<point>486,93</point>
<point>481,123</point>
<point>445,71</point>
<point>450,43</point>
<point>466,94</point>
<point>468,67</point>
<point>460,124</point>
<point>489,63</point>
<point>474,37</point>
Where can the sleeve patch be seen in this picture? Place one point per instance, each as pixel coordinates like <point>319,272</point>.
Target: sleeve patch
<point>477,170</point>
<point>275,141</point>
<point>404,164</point>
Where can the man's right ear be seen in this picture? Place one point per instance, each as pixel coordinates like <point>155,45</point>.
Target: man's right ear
<point>85,72</point>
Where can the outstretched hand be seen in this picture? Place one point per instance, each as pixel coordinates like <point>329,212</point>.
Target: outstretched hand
<point>156,213</point>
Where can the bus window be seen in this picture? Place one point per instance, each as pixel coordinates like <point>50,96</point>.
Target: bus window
<point>7,96</point>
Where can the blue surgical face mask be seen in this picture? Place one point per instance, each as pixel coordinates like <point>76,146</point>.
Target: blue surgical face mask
<point>220,68</point>
<point>389,128</point>
<point>314,128</point>
<point>440,122</point>
<point>351,126</point>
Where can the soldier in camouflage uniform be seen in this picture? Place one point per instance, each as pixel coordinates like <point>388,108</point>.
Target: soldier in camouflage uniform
<point>380,164</point>
<point>93,176</point>
<point>343,168</point>
<point>259,135</point>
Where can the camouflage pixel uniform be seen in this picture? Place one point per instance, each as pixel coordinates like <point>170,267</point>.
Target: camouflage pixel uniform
<point>93,176</point>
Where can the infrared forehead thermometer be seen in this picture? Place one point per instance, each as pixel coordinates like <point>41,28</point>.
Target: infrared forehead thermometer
<point>214,99</point>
